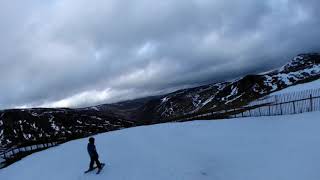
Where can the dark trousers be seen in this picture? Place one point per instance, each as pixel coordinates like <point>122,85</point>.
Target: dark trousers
<point>94,159</point>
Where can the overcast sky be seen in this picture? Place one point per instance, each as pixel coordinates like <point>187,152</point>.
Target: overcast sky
<point>75,53</point>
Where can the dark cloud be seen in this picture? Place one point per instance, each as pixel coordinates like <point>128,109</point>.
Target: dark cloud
<point>78,52</point>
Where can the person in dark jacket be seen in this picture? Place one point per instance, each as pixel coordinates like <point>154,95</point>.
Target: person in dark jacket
<point>94,157</point>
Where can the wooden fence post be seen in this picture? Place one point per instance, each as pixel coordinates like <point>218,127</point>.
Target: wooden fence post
<point>12,152</point>
<point>259,111</point>
<point>294,107</point>
<point>281,109</point>
<point>311,105</point>
<point>269,111</point>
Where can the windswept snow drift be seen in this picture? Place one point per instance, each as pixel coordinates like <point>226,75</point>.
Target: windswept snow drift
<point>264,148</point>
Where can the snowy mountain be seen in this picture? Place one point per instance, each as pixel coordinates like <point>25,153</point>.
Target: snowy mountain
<point>264,148</point>
<point>21,126</point>
<point>303,68</point>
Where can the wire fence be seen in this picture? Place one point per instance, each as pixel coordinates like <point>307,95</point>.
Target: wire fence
<point>282,104</point>
<point>9,156</point>
<point>286,97</point>
<point>285,108</point>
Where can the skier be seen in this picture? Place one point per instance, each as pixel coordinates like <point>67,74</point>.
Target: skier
<point>94,157</point>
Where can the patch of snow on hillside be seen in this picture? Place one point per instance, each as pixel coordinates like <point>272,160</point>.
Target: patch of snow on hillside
<point>202,104</point>
<point>234,91</point>
<point>256,88</point>
<point>268,82</point>
<point>34,126</point>
<point>235,98</point>
<point>300,87</point>
<point>54,126</point>
<point>27,136</point>
<point>34,114</point>
<point>167,111</point>
<point>196,101</point>
<point>298,75</point>
<point>165,99</point>
<point>314,70</point>
<point>296,60</point>
<point>1,136</point>
<point>221,86</point>
<point>95,108</point>
<point>207,101</point>
<point>284,78</point>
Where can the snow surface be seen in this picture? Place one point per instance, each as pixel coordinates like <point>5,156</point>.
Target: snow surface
<point>264,148</point>
<point>300,87</point>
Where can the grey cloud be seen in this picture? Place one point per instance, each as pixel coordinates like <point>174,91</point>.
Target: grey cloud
<point>78,52</point>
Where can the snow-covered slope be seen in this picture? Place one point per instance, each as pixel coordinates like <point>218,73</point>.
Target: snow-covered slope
<point>299,87</point>
<point>265,148</point>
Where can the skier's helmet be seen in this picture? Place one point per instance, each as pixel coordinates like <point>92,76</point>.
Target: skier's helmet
<point>91,140</point>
